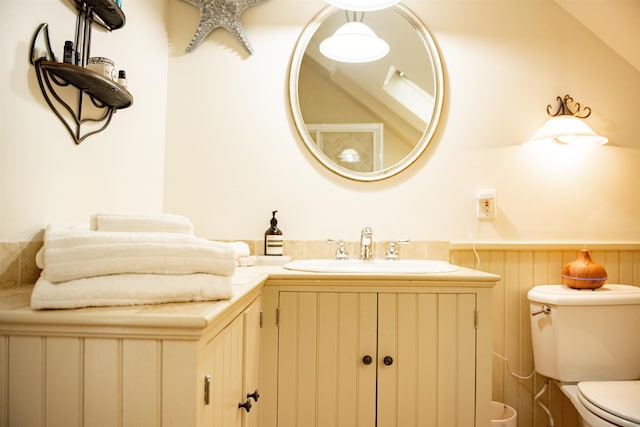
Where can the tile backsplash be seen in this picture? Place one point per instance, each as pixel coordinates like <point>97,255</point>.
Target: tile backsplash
<point>18,266</point>
<point>17,263</point>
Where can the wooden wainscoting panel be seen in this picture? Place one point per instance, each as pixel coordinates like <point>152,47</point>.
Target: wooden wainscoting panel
<point>521,269</point>
<point>141,372</point>
<point>102,381</point>
<point>26,381</point>
<point>4,381</point>
<point>63,381</point>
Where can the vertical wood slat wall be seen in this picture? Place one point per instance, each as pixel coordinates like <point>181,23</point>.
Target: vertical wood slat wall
<point>75,381</point>
<point>520,271</point>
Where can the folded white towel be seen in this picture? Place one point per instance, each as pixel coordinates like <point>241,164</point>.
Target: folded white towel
<point>247,261</point>
<point>129,289</point>
<point>240,249</point>
<point>164,223</point>
<point>69,254</point>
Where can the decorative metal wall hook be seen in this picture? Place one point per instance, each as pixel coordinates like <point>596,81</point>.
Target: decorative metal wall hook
<point>564,110</point>
<point>65,86</point>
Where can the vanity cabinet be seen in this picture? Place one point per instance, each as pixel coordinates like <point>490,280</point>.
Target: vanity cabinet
<point>231,366</point>
<point>165,365</point>
<point>352,353</point>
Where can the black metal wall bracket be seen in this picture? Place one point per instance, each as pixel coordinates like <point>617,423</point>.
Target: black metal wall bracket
<point>105,95</point>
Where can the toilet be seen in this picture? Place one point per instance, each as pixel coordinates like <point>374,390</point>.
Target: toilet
<point>588,342</point>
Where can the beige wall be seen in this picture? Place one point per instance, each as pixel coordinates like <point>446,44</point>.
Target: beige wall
<point>230,155</point>
<point>44,177</point>
<point>233,154</point>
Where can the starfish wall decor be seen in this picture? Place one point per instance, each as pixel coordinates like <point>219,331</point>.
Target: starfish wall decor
<point>221,13</point>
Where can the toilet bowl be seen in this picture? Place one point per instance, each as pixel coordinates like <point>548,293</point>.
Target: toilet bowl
<point>605,403</point>
<point>587,341</point>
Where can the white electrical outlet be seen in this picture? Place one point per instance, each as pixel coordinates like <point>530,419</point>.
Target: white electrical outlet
<point>486,204</point>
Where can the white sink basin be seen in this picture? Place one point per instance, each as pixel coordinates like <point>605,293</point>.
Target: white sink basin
<point>403,266</point>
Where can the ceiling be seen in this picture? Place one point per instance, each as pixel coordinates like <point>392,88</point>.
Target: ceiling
<point>616,22</point>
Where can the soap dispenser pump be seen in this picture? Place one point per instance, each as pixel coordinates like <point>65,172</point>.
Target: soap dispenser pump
<point>273,238</point>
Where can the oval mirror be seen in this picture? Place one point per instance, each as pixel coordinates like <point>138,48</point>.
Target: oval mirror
<point>367,121</point>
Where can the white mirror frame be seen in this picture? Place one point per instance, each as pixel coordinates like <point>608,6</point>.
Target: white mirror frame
<point>294,72</point>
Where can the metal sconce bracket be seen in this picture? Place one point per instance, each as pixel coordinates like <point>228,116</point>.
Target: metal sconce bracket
<point>564,110</point>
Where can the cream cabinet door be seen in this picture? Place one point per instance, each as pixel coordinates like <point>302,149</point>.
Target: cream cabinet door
<point>421,370</point>
<point>323,338</point>
<point>426,360</point>
<point>224,357</point>
<point>232,359</point>
<point>251,373</point>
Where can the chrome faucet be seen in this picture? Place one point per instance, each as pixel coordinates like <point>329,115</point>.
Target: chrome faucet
<point>393,250</point>
<point>341,249</point>
<point>366,244</point>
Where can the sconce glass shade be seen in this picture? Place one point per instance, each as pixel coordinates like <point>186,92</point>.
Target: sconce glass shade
<point>354,42</point>
<point>568,130</point>
<point>362,5</point>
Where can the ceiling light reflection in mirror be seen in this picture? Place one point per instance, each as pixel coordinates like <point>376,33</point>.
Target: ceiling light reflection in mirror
<point>354,42</point>
<point>386,110</point>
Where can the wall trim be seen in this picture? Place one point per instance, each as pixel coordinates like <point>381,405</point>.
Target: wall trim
<point>559,246</point>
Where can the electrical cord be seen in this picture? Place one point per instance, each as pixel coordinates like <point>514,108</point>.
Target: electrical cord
<point>521,377</point>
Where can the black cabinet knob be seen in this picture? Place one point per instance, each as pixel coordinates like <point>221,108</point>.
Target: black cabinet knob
<point>388,360</point>
<point>246,405</point>
<point>367,360</point>
<point>255,395</point>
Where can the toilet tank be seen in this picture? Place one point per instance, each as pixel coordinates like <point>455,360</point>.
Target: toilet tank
<point>586,334</point>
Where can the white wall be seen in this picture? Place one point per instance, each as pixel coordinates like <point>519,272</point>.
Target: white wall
<point>229,153</point>
<point>233,154</point>
<point>44,177</point>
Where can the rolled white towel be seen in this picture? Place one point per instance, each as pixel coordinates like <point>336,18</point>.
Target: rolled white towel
<point>163,223</point>
<point>74,254</point>
<point>129,289</point>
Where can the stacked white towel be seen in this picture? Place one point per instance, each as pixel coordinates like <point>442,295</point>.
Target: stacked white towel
<point>130,289</point>
<point>163,223</point>
<point>76,254</point>
<point>135,262</point>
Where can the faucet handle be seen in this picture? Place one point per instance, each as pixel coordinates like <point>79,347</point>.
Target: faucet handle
<point>341,249</point>
<point>393,250</point>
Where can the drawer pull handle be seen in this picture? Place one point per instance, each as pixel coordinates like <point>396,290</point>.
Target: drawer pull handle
<point>367,360</point>
<point>207,388</point>
<point>246,405</point>
<point>388,360</point>
<point>255,396</point>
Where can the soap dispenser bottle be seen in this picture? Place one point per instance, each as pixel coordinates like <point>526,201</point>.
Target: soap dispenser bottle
<point>273,238</point>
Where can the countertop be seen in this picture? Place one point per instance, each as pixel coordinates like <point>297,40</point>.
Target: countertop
<point>462,276</point>
<point>185,319</point>
<point>190,319</point>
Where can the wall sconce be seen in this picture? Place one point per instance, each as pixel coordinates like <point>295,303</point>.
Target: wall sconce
<point>567,126</point>
<point>362,5</point>
<point>354,42</point>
